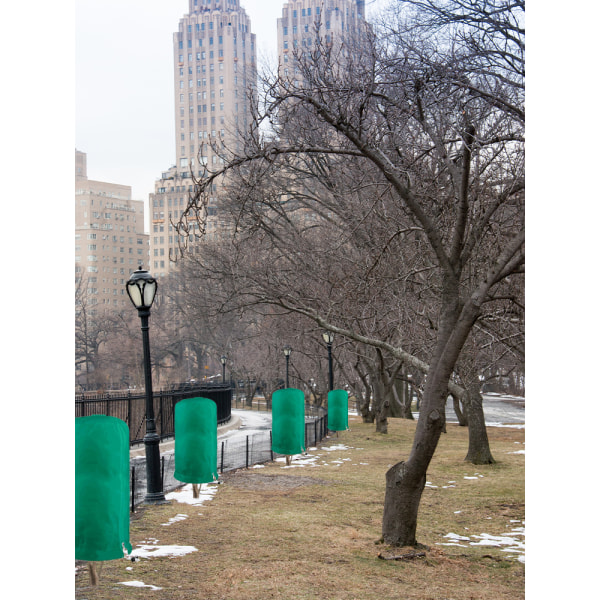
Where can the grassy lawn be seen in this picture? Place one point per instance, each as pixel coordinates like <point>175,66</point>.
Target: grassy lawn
<point>312,530</point>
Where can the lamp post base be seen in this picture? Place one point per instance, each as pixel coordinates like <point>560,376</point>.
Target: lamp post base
<point>155,498</point>
<point>154,484</point>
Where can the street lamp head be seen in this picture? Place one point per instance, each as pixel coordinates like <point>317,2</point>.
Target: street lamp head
<point>223,359</point>
<point>328,337</point>
<point>141,289</point>
<point>287,350</point>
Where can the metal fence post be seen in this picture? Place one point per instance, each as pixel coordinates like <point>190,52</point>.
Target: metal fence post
<point>247,451</point>
<point>133,488</point>
<point>222,454</point>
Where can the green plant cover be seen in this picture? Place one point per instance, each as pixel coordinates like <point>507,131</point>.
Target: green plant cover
<point>101,488</point>
<point>337,410</point>
<point>288,421</point>
<point>196,440</point>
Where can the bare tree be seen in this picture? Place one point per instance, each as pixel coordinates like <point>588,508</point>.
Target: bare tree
<point>394,175</point>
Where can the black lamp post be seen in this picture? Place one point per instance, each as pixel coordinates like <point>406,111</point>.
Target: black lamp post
<point>287,351</point>
<point>223,362</point>
<point>141,289</point>
<point>328,337</point>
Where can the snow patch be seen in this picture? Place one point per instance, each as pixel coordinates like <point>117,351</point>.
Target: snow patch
<point>151,551</point>
<point>508,542</point>
<point>186,495</point>
<point>174,519</point>
<point>140,584</point>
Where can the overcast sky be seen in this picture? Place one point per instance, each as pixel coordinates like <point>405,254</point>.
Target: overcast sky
<point>124,84</point>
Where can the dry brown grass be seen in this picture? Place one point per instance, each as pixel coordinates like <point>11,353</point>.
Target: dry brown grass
<point>311,532</point>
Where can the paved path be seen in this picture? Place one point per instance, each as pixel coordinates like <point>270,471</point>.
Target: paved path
<point>169,445</point>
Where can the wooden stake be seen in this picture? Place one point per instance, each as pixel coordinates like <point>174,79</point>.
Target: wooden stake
<point>288,460</point>
<point>195,490</point>
<point>93,573</point>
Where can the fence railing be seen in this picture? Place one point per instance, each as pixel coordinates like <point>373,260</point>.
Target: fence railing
<point>131,407</point>
<point>232,453</point>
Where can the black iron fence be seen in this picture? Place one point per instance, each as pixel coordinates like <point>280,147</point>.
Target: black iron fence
<point>131,407</point>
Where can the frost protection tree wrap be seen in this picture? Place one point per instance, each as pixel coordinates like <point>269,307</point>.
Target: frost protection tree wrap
<point>288,421</point>
<point>337,410</point>
<point>101,488</point>
<point>196,440</point>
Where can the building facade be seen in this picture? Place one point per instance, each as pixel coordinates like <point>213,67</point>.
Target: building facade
<point>110,242</point>
<point>302,20</point>
<point>214,53</point>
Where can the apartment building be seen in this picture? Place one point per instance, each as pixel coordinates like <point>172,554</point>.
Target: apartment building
<point>297,27</point>
<point>110,242</point>
<point>214,55</point>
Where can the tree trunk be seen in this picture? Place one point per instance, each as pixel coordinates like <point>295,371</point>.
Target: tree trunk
<point>381,417</point>
<point>479,452</point>
<point>406,482</point>
<point>460,415</point>
<point>402,392</point>
<point>396,401</point>
<point>365,408</point>
<point>381,405</point>
<point>402,497</point>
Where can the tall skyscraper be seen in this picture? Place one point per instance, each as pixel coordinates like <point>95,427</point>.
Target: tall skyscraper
<point>214,53</point>
<point>296,28</point>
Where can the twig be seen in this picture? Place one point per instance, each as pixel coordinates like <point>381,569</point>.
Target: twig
<point>402,556</point>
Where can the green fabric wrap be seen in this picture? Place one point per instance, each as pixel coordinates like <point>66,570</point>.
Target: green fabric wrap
<point>101,488</point>
<point>196,440</point>
<point>337,410</point>
<point>288,421</point>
